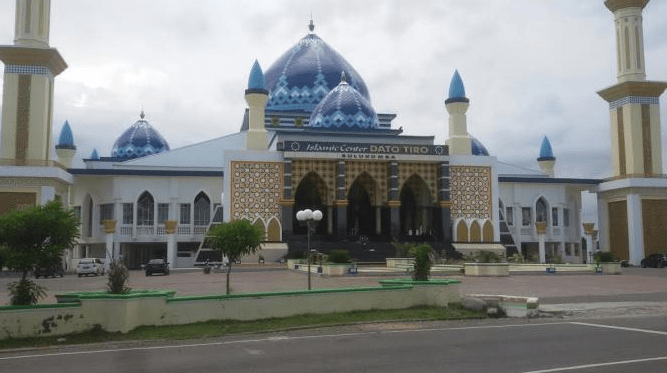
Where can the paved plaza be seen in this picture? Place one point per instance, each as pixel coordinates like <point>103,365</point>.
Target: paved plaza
<point>633,285</point>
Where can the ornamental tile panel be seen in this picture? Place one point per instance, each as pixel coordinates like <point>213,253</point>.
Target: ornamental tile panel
<point>325,169</point>
<point>378,172</point>
<point>470,192</point>
<point>428,172</point>
<point>256,190</point>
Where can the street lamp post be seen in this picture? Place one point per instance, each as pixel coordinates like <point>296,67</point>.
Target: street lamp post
<point>310,218</point>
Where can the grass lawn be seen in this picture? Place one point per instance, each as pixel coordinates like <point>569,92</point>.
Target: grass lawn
<point>218,328</point>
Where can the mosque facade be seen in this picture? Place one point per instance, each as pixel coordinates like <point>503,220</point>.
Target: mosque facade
<point>310,138</point>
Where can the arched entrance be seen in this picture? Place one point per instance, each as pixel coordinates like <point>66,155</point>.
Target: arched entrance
<point>416,208</point>
<point>311,194</point>
<point>360,211</point>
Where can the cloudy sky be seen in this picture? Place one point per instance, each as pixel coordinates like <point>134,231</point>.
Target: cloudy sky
<point>530,68</point>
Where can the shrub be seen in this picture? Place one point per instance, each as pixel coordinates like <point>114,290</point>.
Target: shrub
<point>603,257</point>
<point>24,292</point>
<point>484,256</point>
<point>118,278</point>
<point>339,256</point>
<point>422,266</point>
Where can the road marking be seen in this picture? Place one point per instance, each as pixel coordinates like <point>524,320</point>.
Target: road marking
<point>598,365</point>
<point>621,328</point>
<point>270,339</point>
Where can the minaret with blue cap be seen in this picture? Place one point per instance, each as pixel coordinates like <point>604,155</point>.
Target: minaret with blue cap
<point>546,160</point>
<point>459,141</point>
<point>65,149</point>
<point>256,96</point>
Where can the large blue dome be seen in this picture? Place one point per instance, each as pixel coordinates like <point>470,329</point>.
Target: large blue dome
<point>344,108</point>
<point>303,75</point>
<point>140,140</point>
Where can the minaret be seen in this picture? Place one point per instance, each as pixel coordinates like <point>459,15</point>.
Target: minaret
<point>256,96</point>
<point>546,160</point>
<point>459,141</point>
<point>65,149</point>
<point>27,103</point>
<point>636,148</point>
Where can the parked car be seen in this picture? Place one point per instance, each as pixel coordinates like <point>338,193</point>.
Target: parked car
<point>654,261</point>
<point>92,266</point>
<point>157,266</point>
<point>50,271</point>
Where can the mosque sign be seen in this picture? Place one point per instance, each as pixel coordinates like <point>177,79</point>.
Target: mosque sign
<point>365,150</point>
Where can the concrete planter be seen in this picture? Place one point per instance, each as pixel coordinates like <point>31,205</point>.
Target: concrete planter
<point>399,262</point>
<point>610,268</point>
<point>487,269</point>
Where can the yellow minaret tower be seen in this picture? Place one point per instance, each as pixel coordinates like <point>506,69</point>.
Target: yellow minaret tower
<point>256,96</point>
<point>459,140</point>
<point>632,205</point>
<point>27,104</point>
<point>636,147</point>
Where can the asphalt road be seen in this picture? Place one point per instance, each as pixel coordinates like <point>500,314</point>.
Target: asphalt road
<point>637,344</point>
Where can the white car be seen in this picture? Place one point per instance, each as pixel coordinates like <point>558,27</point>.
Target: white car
<point>92,266</point>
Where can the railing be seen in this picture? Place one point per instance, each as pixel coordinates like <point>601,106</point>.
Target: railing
<point>29,163</point>
<point>126,230</point>
<point>161,231</point>
<point>143,230</point>
<point>184,230</point>
<point>200,230</point>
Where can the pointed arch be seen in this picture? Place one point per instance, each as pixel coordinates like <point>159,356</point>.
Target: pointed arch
<point>87,216</point>
<point>146,209</point>
<point>361,198</point>
<point>202,209</point>
<point>462,231</point>
<point>312,193</point>
<point>259,222</point>
<point>275,230</point>
<point>541,210</point>
<point>416,211</point>
<point>487,231</point>
<point>475,232</point>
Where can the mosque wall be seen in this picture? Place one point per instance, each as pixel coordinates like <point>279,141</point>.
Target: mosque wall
<point>471,192</point>
<point>256,191</point>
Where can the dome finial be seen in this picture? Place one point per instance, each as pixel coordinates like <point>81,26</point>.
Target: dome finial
<point>311,25</point>
<point>343,77</point>
<point>142,115</point>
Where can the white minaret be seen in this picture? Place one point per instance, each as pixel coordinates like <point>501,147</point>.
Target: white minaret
<point>459,141</point>
<point>632,205</point>
<point>636,147</point>
<point>27,103</point>
<point>256,96</point>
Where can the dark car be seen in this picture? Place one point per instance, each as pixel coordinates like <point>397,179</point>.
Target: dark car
<point>157,266</point>
<point>49,271</point>
<point>654,261</point>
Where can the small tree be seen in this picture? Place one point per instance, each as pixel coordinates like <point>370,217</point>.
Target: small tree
<point>422,266</point>
<point>235,239</point>
<point>35,236</point>
<point>119,276</point>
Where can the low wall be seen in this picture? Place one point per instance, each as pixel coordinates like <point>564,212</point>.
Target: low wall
<point>126,312</point>
<point>487,269</point>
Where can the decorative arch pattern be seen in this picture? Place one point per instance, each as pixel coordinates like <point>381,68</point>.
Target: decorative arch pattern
<point>275,231</point>
<point>462,231</point>
<point>378,171</point>
<point>475,232</point>
<point>487,231</point>
<point>325,169</point>
<point>428,172</point>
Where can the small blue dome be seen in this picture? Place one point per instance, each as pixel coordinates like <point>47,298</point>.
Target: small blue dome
<point>457,92</point>
<point>256,80</point>
<point>344,108</point>
<point>66,139</point>
<point>94,155</point>
<point>477,147</point>
<point>140,140</point>
<point>303,75</point>
<point>546,154</point>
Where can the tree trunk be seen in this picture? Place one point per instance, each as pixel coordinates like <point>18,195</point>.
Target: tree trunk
<point>229,269</point>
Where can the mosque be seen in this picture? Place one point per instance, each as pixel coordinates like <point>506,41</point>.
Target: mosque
<point>310,138</point>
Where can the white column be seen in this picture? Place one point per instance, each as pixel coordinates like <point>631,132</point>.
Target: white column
<point>543,257</point>
<point>109,229</point>
<point>635,229</point>
<point>172,245</point>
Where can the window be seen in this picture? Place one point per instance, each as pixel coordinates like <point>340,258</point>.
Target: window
<point>185,213</point>
<point>509,216</point>
<point>162,212</point>
<point>106,212</point>
<point>145,209</point>
<point>566,217</point>
<point>525,216</point>
<point>202,209</point>
<point>541,210</point>
<point>554,216</point>
<point>77,212</point>
<point>128,213</point>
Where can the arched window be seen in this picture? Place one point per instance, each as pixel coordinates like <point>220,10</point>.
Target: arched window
<point>475,232</point>
<point>541,213</point>
<point>202,209</point>
<point>462,232</point>
<point>145,209</point>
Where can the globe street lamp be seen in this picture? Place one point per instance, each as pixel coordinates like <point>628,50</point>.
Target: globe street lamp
<point>310,218</point>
